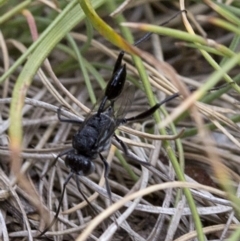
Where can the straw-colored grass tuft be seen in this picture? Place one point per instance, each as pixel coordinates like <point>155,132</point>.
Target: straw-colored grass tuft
<point>51,56</point>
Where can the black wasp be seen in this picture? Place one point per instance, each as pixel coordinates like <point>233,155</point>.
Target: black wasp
<point>95,133</point>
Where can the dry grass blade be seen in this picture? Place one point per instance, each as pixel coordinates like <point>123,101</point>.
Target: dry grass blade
<point>149,202</point>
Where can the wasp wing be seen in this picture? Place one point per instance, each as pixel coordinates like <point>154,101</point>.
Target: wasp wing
<point>124,102</point>
<point>116,111</point>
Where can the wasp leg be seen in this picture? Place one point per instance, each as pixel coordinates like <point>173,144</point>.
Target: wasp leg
<point>124,147</point>
<point>84,196</point>
<point>59,206</point>
<point>55,160</point>
<point>125,150</point>
<point>106,172</point>
<point>150,111</point>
